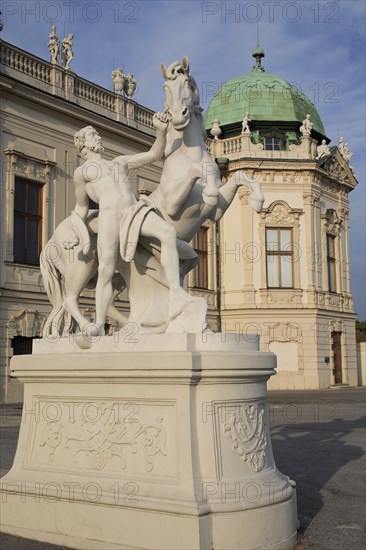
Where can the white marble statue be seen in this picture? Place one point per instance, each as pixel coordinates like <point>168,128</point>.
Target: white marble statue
<point>189,193</point>
<point>344,150</point>
<point>122,220</point>
<point>245,125</point>
<point>322,150</point>
<point>118,80</point>
<point>130,85</point>
<point>190,188</point>
<point>67,53</point>
<point>216,130</point>
<point>54,45</point>
<point>307,126</point>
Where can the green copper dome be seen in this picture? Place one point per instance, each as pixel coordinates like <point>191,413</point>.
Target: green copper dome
<point>265,96</point>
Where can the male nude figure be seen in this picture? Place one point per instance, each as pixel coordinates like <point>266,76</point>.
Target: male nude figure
<point>108,183</point>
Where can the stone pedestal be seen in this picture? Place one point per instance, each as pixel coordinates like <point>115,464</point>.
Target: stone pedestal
<point>156,442</point>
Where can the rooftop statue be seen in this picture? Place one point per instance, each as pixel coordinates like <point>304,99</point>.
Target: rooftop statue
<point>118,80</point>
<point>130,85</point>
<point>322,150</point>
<point>54,45</point>
<point>307,126</point>
<point>344,150</point>
<point>245,125</point>
<point>141,244</point>
<point>67,53</point>
<point>216,130</point>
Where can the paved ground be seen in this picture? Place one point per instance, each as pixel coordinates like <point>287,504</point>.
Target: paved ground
<point>318,440</point>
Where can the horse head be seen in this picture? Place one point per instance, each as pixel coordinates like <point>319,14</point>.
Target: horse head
<point>181,93</point>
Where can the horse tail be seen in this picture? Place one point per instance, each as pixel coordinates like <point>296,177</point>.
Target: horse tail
<point>55,291</point>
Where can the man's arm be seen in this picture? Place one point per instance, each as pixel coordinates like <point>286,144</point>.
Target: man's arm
<point>160,121</point>
<point>82,199</point>
<point>81,209</point>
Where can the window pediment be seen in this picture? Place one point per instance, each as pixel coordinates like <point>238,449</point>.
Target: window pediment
<point>280,213</point>
<point>338,168</point>
<point>331,221</point>
<point>29,167</point>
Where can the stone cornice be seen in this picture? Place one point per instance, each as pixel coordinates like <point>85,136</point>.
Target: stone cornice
<point>140,134</point>
<point>52,80</point>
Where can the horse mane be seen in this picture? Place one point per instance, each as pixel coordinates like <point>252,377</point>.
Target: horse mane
<point>197,105</point>
<point>171,73</point>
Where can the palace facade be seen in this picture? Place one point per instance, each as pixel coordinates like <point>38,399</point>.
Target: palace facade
<point>283,273</point>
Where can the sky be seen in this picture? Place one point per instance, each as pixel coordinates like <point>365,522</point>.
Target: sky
<point>317,45</point>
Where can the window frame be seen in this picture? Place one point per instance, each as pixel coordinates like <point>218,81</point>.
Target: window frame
<point>331,262</point>
<point>279,253</point>
<point>272,138</point>
<point>23,214</point>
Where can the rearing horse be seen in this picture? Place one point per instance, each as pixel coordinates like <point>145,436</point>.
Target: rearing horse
<point>189,190</point>
<point>188,194</point>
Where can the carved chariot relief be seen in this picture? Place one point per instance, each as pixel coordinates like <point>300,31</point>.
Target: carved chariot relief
<point>97,435</point>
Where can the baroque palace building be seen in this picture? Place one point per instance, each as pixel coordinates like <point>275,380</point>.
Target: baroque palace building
<point>283,274</point>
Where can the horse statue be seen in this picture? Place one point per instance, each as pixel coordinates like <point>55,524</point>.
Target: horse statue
<point>189,193</point>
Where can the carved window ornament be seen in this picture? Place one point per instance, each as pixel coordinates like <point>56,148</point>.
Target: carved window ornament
<point>28,322</point>
<point>331,221</point>
<point>336,325</point>
<point>25,166</point>
<point>280,213</point>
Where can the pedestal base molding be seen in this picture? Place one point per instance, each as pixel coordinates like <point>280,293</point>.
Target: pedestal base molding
<point>150,449</point>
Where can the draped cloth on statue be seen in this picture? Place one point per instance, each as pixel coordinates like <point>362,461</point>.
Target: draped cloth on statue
<point>130,228</point>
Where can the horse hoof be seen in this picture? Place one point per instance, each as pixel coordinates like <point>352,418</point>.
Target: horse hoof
<point>256,202</point>
<point>82,341</point>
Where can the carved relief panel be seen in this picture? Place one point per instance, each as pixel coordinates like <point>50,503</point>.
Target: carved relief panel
<point>241,440</point>
<point>136,437</point>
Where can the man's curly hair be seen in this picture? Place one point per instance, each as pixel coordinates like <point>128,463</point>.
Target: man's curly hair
<point>79,138</point>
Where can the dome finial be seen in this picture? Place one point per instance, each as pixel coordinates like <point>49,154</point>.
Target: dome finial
<point>258,52</point>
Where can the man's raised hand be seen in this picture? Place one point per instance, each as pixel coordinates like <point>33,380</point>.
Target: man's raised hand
<point>160,121</point>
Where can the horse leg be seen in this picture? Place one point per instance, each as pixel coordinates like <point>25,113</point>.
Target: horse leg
<point>211,177</point>
<point>117,315</point>
<point>228,191</point>
<point>176,185</point>
<point>71,302</point>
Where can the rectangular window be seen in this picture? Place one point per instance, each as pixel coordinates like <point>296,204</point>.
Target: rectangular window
<point>272,144</point>
<point>27,221</point>
<point>22,345</point>
<point>279,256</point>
<point>200,273</point>
<point>331,262</point>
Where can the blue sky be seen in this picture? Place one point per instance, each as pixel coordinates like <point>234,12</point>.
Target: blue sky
<point>317,45</point>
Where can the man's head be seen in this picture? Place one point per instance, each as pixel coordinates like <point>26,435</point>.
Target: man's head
<point>88,139</point>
